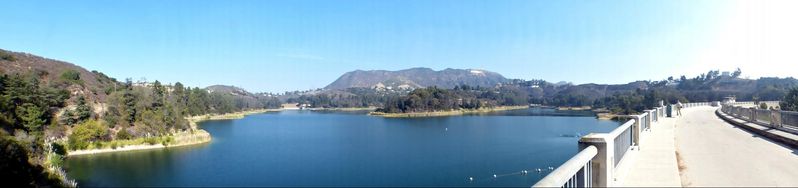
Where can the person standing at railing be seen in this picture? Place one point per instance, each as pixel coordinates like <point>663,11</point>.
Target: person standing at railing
<point>679,108</point>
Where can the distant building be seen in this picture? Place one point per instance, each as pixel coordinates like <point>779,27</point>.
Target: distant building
<point>290,106</point>
<point>725,74</point>
<point>729,99</point>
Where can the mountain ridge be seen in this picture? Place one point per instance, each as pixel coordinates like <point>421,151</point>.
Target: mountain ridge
<point>417,77</point>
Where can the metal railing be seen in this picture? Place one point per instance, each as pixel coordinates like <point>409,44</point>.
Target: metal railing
<point>576,172</point>
<point>623,140</point>
<point>601,154</point>
<point>789,119</point>
<point>782,120</point>
<point>762,116</point>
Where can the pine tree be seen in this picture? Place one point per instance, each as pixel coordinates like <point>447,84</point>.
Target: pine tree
<point>82,111</point>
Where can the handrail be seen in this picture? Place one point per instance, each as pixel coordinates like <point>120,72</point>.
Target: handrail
<point>596,163</point>
<point>569,169</point>
<point>620,129</point>
<point>783,120</point>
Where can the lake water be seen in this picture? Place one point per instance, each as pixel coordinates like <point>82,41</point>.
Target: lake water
<point>303,148</point>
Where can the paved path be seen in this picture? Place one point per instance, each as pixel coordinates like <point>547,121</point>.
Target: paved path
<point>712,152</point>
<point>655,162</point>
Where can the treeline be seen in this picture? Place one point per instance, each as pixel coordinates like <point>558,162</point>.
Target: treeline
<point>461,97</point>
<point>622,99</point>
<point>790,101</point>
<point>349,98</point>
<point>157,109</point>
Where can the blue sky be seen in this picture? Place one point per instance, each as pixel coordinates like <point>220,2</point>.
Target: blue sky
<point>295,45</point>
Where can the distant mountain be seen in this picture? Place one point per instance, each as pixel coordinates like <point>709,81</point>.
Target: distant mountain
<point>416,78</point>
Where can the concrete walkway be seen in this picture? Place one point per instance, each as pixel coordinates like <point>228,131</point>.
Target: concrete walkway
<point>712,152</point>
<point>655,162</point>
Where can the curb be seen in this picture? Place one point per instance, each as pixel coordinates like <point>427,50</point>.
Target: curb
<point>780,139</point>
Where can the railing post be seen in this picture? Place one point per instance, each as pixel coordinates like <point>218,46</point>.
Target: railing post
<point>651,118</point>
<point>603,165</point>
<point>637,129</point>
<point>775,118</point>
<point>753,115</point>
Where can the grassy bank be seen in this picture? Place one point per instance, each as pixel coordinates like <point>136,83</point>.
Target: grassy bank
<point>183,138</point>
<point>446,113</point>
<point>189,137</point>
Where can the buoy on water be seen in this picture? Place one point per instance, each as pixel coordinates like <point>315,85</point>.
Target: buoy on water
<point>494,176</point>
<point>470,178</point>
<point>551,168</point>
<point>539,170</point>
<point>524,172</point>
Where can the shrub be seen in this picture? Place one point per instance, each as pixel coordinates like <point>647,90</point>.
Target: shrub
<point>71,76</point>
<point>58,148</point>
<point>123,134</point>
<point>167,140</point>
<point>763,106</point>
<point>7,57</point>
<point>151,140</point>
<point>85,133</point>
<point>55,159</point>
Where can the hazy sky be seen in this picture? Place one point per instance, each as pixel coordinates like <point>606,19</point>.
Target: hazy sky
<point>276,46</point>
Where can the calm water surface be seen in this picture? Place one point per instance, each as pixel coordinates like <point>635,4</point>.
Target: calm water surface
<point>303,148</point>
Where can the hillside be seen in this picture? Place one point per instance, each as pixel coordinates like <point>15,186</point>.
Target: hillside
<point>244,98</point>
<point>49,108</point>
<point>416,78</point>
<point>93,85</point>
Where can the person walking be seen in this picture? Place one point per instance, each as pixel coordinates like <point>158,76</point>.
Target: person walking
<point>679,108</point>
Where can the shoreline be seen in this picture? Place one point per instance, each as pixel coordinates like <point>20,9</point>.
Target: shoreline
<point>446,113</point>
<point>228,116</point>
<point>192,137</point>
<point>344,109</point>
<point>180,139</point>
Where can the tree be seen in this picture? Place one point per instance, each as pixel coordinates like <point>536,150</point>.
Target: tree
<point>158,92</point>
<point>82,110</point>
<point>737,73</point>
<point>129,101</point>
<point>790,102</point>
<point>31,116</point>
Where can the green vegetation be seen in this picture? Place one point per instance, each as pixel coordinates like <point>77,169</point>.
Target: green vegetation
<point>790,101</point>
<point>763,106</point>
<point>446,113</point>
<point>461,97</point>
<point>16,169</point>
<point>85,133</point>
<point>37,104</point>
<point>359,98</point>
<point>25,107</point>
<point>7,57</point>
<point>71,76</point>
<point>619,99</point>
